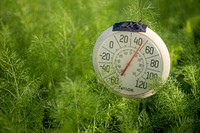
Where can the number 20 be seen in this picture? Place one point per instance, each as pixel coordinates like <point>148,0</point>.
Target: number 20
<point>123,38</point>
<point>105,56</point>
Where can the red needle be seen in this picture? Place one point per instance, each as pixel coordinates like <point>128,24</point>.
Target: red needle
<point>131,60</point>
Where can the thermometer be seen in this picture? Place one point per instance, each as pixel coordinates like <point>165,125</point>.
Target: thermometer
<point>127,56</point>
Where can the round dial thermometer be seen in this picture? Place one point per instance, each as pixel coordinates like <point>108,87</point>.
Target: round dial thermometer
<point>129,54</point>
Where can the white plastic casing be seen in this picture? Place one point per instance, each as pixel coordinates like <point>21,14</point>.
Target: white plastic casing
<point>154,38</point>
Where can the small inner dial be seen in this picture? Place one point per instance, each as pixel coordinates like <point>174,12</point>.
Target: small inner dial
<point>136,67</point>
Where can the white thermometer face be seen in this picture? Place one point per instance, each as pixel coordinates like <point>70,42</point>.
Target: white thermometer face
<point>125,61</point>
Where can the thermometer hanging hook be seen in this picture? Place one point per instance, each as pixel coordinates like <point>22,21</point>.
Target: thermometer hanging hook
<point>130,26</point>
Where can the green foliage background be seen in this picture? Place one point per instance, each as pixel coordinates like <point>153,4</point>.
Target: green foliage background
<point>47,82</point>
